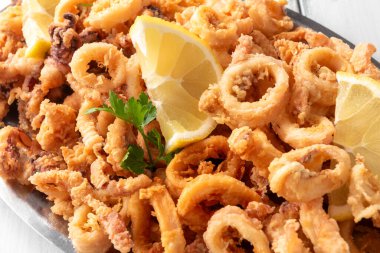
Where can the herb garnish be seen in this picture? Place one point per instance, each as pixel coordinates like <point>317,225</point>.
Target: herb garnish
<point>139,113</point>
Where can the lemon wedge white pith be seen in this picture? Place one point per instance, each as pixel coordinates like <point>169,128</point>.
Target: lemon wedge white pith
<point>177,67</point>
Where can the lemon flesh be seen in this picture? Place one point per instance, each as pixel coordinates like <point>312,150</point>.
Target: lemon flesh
<point>357,117</point>
<point>177,67</point>
<point>37,16</point>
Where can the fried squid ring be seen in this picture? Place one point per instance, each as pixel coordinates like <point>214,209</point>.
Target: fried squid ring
<point>218,188</point>
<point>253,146</point>
<point>364,194</point>
<point>68,6</point>
<point>233,217</point>
<point>105,14</point>
<point>299,176</point>
<point>314,73</point>
<point>107,57</point>
<point>172,237</point>
<point>85,232</point>
<point>268,16</point>
<point>233,101</point>
<point>212,26</point>
<point>316,130</point>
<point>322,230</point>
<point>140,213</point>
<point>192,161</point>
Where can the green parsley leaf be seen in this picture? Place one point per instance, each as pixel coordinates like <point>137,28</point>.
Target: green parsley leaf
<point>85,4</point>
<point>134,160</point>
<point>139,113</point>
<point>155,137</point>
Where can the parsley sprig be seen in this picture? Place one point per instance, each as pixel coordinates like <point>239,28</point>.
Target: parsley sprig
<point>139,113</point>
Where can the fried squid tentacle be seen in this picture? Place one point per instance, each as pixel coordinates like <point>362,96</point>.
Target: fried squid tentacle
<point>112,224</point>
<point>283,229</point>
<point>233,217</point>
<point>269,17</point>
<point>254,146</point>
<point>14,146</point>
<point>56,125</point>
<point>172,237</point>
<point>208,190</point>
<point>296,174</point>
<point>57,185</point>
<point>251,92</point>
<point>86,124</point>
<point>197,159</point>
<point>364,194</point>
<point>322,230</point>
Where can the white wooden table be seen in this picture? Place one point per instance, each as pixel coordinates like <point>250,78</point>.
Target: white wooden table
<point>357,21</point>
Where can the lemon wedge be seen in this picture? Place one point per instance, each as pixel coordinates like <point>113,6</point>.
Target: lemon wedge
<point>357,117</point>
<point>37,16</point>
<point>177,67</point>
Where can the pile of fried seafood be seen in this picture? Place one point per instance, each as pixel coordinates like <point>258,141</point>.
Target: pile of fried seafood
<point>258,183</point>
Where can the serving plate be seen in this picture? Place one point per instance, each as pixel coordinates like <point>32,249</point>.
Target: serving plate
<point>31,205</point>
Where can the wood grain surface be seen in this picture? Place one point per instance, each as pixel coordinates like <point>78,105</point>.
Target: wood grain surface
<point>358,21</point>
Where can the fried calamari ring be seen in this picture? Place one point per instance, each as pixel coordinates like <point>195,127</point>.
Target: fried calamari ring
<point>140,212</point>
<point>211,26</point>
<point>172,237</point>
<point>68,6</point>
<point>106,14</point>
<point>322,230</point>
<point>364,194</point>
<point>314,73</point>
<point>85,232</point>
<point>193,160</point>
<point>218,188</point>
<point>253,146</point>
<point>315,130</point>
<point>296,174</point>
<point>107,57</point>
<point>233,217</point>
<point>269,17</point>
<point>250,93</point>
